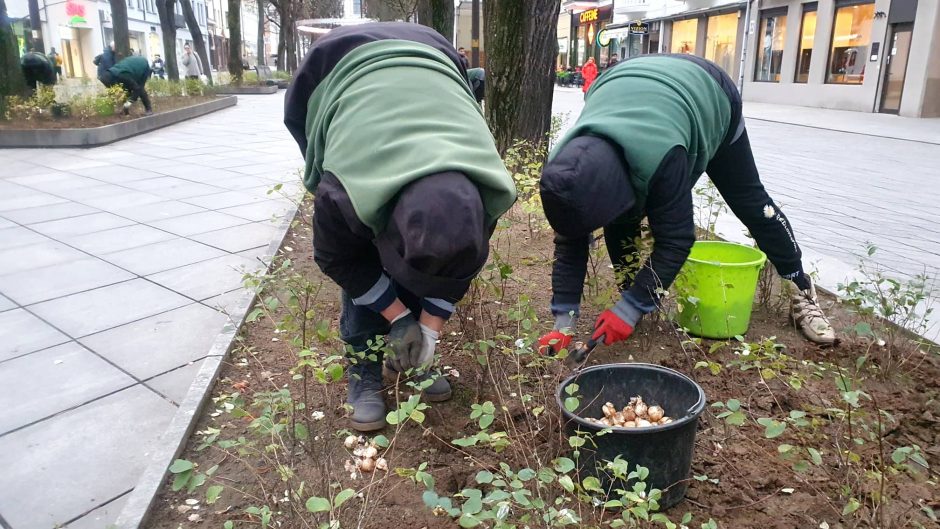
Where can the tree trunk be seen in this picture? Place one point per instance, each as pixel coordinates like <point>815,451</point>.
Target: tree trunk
<point>235,41</point>
<point>122,41</point>
<point>11,75</point>
<point>262,55</point>
<point>167,14</point>
<point>35,23</point>
<point>519,68</point>
<point>198,41</point>
<point>437,14</point>
<point>505,64</point>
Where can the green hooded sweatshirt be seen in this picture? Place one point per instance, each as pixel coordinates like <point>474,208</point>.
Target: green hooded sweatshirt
<point>649,105</point>
<point>392,112</point>
<point>135,67</point>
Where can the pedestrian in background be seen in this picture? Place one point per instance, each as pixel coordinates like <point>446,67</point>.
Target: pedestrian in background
<point>477,77</point>
<point>463,57</point>
<point>588,73</point>
<point>56,60</point>
<point>190,61</point>
<point>612,61</point>
<point>105,60</point>
<point>132,74</point>
<point>158,68</point>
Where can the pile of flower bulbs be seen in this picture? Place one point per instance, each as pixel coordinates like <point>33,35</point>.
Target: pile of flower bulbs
<point>366,456</point>
<point>637,414</point>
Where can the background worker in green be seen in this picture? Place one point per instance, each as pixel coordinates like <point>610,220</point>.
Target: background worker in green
<point>132,74</point>
<point>408,185</point>
<point>650,127</point>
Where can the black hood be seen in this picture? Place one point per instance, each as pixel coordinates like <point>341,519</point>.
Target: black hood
<point>585,186</point>
<point>436,239</point>
<point>328,50</point>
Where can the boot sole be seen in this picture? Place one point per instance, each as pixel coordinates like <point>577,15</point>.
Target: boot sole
<point>439,397</point>
<point>367,426</point>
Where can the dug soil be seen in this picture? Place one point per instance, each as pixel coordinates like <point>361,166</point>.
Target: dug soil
<point>741,479</point>
<point>160,104</point>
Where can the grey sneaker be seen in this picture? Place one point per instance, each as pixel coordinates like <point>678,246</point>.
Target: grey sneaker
<point>365,396</point>
<point>808,316</point>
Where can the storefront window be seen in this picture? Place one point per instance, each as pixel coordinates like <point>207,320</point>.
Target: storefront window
<point>851,36</point>
<point>684,33</point>
<point>773,31</point>
<point>720,40</point>
<point>807,33</point>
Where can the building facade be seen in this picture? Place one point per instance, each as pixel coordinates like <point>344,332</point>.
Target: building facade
<point>463,25</point>
<point>860,55</point>
<point>582,32</point>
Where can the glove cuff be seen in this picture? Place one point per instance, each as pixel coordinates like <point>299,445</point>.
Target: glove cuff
<point>630,314</point>
<point>566,322</point>
<point>429,332</point>
<point>405,313</point>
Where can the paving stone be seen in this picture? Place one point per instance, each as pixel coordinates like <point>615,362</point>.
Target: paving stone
<point>117,173</point>
<point>50,282</point>
<point>262,211</point>
<point>175,384</point>
<point>162,256</point>
<point>62,210</point>
<point>22,333</point>
<point>199,223</point>
<point>159,343</point>
<point>117,239</point>
<point>45,253</point>
<point>6,304</point>
<point>224,200</point>
<point>31,199</point>
<point>157,211</point>
<point>103,517</point>
<point>207,278</point>
<point>46,382</point>
<point>175,188</point>
<point>122,201</point>
<point>228,302</point>
<point>106,307</point>
<point>79,459</point>
<point>240,238</point>
<point>5,223</point>
<point>89,224</point>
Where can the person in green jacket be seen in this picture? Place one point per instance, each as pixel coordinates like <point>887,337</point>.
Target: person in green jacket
<point>132,74</point>
<point>477,78</point>
<point>408,187</point>
<point>650,127</point>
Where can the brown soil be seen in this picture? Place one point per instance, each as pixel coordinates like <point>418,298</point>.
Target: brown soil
<point>755,487</point>
<point>160,104</point>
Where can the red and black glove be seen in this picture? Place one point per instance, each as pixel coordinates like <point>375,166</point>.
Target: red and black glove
<point>553,342</point>
<point>610,328</point>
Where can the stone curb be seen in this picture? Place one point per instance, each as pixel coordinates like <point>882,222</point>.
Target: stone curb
<point>98,136</point>
<point>174,439</point>
<point>247,90</point>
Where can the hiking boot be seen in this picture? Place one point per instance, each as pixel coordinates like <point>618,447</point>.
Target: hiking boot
<point>808,316</point>
<point>365,396</point>
<point>438,391</point>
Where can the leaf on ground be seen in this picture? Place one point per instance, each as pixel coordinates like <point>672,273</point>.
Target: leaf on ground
<point>181,465</point>
<point>318,504</point>
<point>212,493</point>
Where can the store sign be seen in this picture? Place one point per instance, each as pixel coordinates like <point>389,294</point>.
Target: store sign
<point>603,38</point>
<point>639,28</point>
<point>588,16</point>
<point>76,13</point>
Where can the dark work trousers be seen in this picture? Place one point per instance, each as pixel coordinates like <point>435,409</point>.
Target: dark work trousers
<point>360,325</point>
<point>133,89</point>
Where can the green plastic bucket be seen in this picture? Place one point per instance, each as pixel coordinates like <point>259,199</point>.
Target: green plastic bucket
<point>715,288</point>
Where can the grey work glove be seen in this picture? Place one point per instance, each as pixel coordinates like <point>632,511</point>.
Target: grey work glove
<point>429,344</point>
<point>405,340</point>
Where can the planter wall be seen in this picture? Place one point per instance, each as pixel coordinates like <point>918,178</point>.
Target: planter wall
<point>246,89</point>
<point>96,136</point>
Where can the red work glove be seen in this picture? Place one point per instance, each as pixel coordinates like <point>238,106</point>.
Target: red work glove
<point>611,328</point>
<point>554,342</point>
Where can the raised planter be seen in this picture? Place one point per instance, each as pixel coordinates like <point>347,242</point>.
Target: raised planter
<point>96,136</point>
<point>246,89</point>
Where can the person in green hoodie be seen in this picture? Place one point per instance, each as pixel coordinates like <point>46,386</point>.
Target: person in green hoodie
<point>650,127</point>
<point>132,74</point>
<point>408,187</point>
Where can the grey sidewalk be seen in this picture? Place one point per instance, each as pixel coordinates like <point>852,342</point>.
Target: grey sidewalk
<point>844,188</point>
<point>117,265</point>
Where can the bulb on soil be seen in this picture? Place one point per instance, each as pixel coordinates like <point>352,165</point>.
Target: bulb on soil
<point>366,465</point>
<point>350,442</point>
<point>655,413</point>
<point>381,464</point>
<point>370,452</point>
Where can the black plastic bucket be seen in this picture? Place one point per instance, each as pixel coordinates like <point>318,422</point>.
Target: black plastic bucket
<point>665,450</point>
